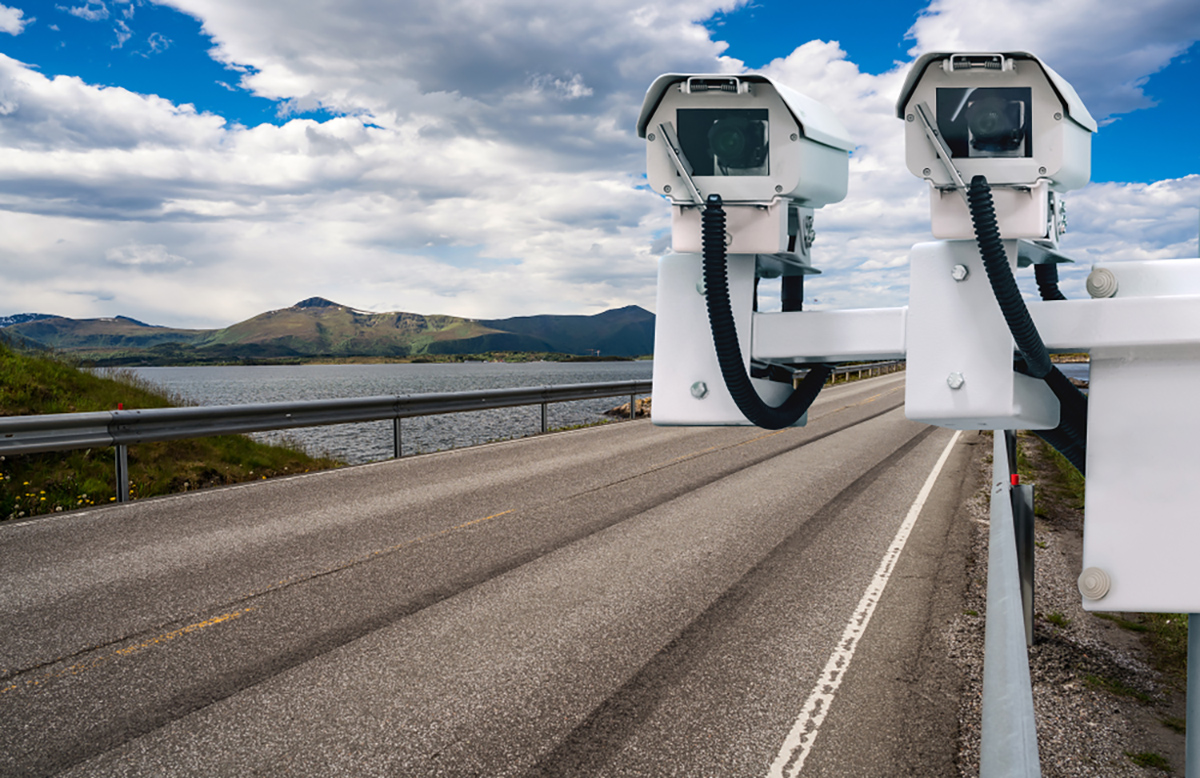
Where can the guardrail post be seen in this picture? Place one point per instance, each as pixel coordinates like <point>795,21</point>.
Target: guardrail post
<point>1023,517</point>
<point>397,448</point>
<point>122,457</point>
<point>632,407</point>
<point>545,418</point>
<point>1022,497</point>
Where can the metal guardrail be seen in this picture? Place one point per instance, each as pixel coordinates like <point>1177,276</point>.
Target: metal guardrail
<point>64,431</point>
<point>60,432</point>
<point>870,369</point>
<point>1009,732</point>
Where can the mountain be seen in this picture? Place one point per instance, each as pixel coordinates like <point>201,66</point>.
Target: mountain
<point>21,318</point>
<point>626,332</point>
<point>317,327</point>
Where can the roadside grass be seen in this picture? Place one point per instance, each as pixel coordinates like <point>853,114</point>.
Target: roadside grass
<point>1114,686</point>
<point>1058,619</point>
<point>1149,759</point>
<point>34,484</point>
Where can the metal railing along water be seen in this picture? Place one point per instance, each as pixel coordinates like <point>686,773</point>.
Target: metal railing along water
<point>123,428</point>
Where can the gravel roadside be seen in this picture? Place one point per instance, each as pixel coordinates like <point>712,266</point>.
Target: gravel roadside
<point>1101,708</point>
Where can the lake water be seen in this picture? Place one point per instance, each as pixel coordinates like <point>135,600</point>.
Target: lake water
<point>365,442</point>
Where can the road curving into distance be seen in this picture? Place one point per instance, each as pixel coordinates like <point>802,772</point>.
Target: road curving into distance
<point>616,601</point>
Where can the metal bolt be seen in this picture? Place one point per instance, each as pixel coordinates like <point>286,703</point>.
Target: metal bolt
<point>926,172</point>
<point>1057,116</point>
<point>700,287</point>
<point>795,137</point>
<point>1101,283</point>
<point>699,390</point>
<point>778,188</point>
<point>667,188</point>
<point>955,380</point>
<point>650,137</point>
<point>1042,171</point>
<point>910,118</point>
<point>960,272</point>
<point>1094,583</point>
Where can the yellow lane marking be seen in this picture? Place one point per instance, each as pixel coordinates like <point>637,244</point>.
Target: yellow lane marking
<point>165,637</point>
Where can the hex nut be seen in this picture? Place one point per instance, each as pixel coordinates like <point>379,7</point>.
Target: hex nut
<point>955,380</point>
<point>699,390</point>
<point>960,272</point>
<point>1094,583</point>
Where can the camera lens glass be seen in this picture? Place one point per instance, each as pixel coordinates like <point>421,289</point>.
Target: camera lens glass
<point>995,124</point>
<point>986,121</point>
<point>725,141</point>
<point>738,142</point>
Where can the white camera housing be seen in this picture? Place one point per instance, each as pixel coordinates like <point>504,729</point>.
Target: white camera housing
<point>749,139</point>
<point>1003,115</point>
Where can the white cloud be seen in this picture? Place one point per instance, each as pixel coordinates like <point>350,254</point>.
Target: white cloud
<point>123,33</point>
<point>91,10</point>
<point>486,165</point>
<point>12,20</point>
<point>1105,49</point>
<point>142,255</point>
<point>158,42</point>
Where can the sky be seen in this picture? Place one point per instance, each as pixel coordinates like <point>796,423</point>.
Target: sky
<point>192,163</point>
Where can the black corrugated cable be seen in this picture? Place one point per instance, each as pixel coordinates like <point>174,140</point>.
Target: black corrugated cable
<point>1047,282</point>
<point>1070,436</point>
<point>725,340</point>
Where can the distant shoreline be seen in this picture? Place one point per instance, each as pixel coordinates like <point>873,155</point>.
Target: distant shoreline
<point>424,359</point>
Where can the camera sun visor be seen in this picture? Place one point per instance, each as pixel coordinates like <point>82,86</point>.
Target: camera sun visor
<point>725,141</point>
<point>986,121</point>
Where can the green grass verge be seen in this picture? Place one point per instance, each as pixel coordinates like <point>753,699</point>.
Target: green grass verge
<point>1149,759</point>
<point>35,484</point>
<point>1114,686</point>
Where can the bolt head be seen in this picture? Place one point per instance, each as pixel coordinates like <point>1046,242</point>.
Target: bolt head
<point>955,380</point>
<point>926,172</point>
<point>1101,283</point>
<point>667,188</point>
<point>795,137</point>
<point>960,272</point>
<point>699,390</point>
<point>910,118</point>
<point>1094,583</point>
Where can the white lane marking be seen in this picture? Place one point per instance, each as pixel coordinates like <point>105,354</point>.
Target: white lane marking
<point>798,743</point>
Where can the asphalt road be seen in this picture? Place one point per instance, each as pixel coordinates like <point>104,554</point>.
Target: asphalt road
<point>616,601</point>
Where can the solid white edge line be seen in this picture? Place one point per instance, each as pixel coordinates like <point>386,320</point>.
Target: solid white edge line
<point>798,743</point>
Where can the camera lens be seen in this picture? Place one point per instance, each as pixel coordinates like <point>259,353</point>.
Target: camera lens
<point>995,124</point>
<point>738,142</point>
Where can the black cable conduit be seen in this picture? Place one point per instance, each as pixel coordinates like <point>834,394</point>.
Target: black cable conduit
<point>1070,436</point>
<point>1047,282</point>
<point>725,339</point>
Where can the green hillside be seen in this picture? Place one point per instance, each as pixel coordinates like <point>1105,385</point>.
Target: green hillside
<point>33,484</point>
<point>317,328</point>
